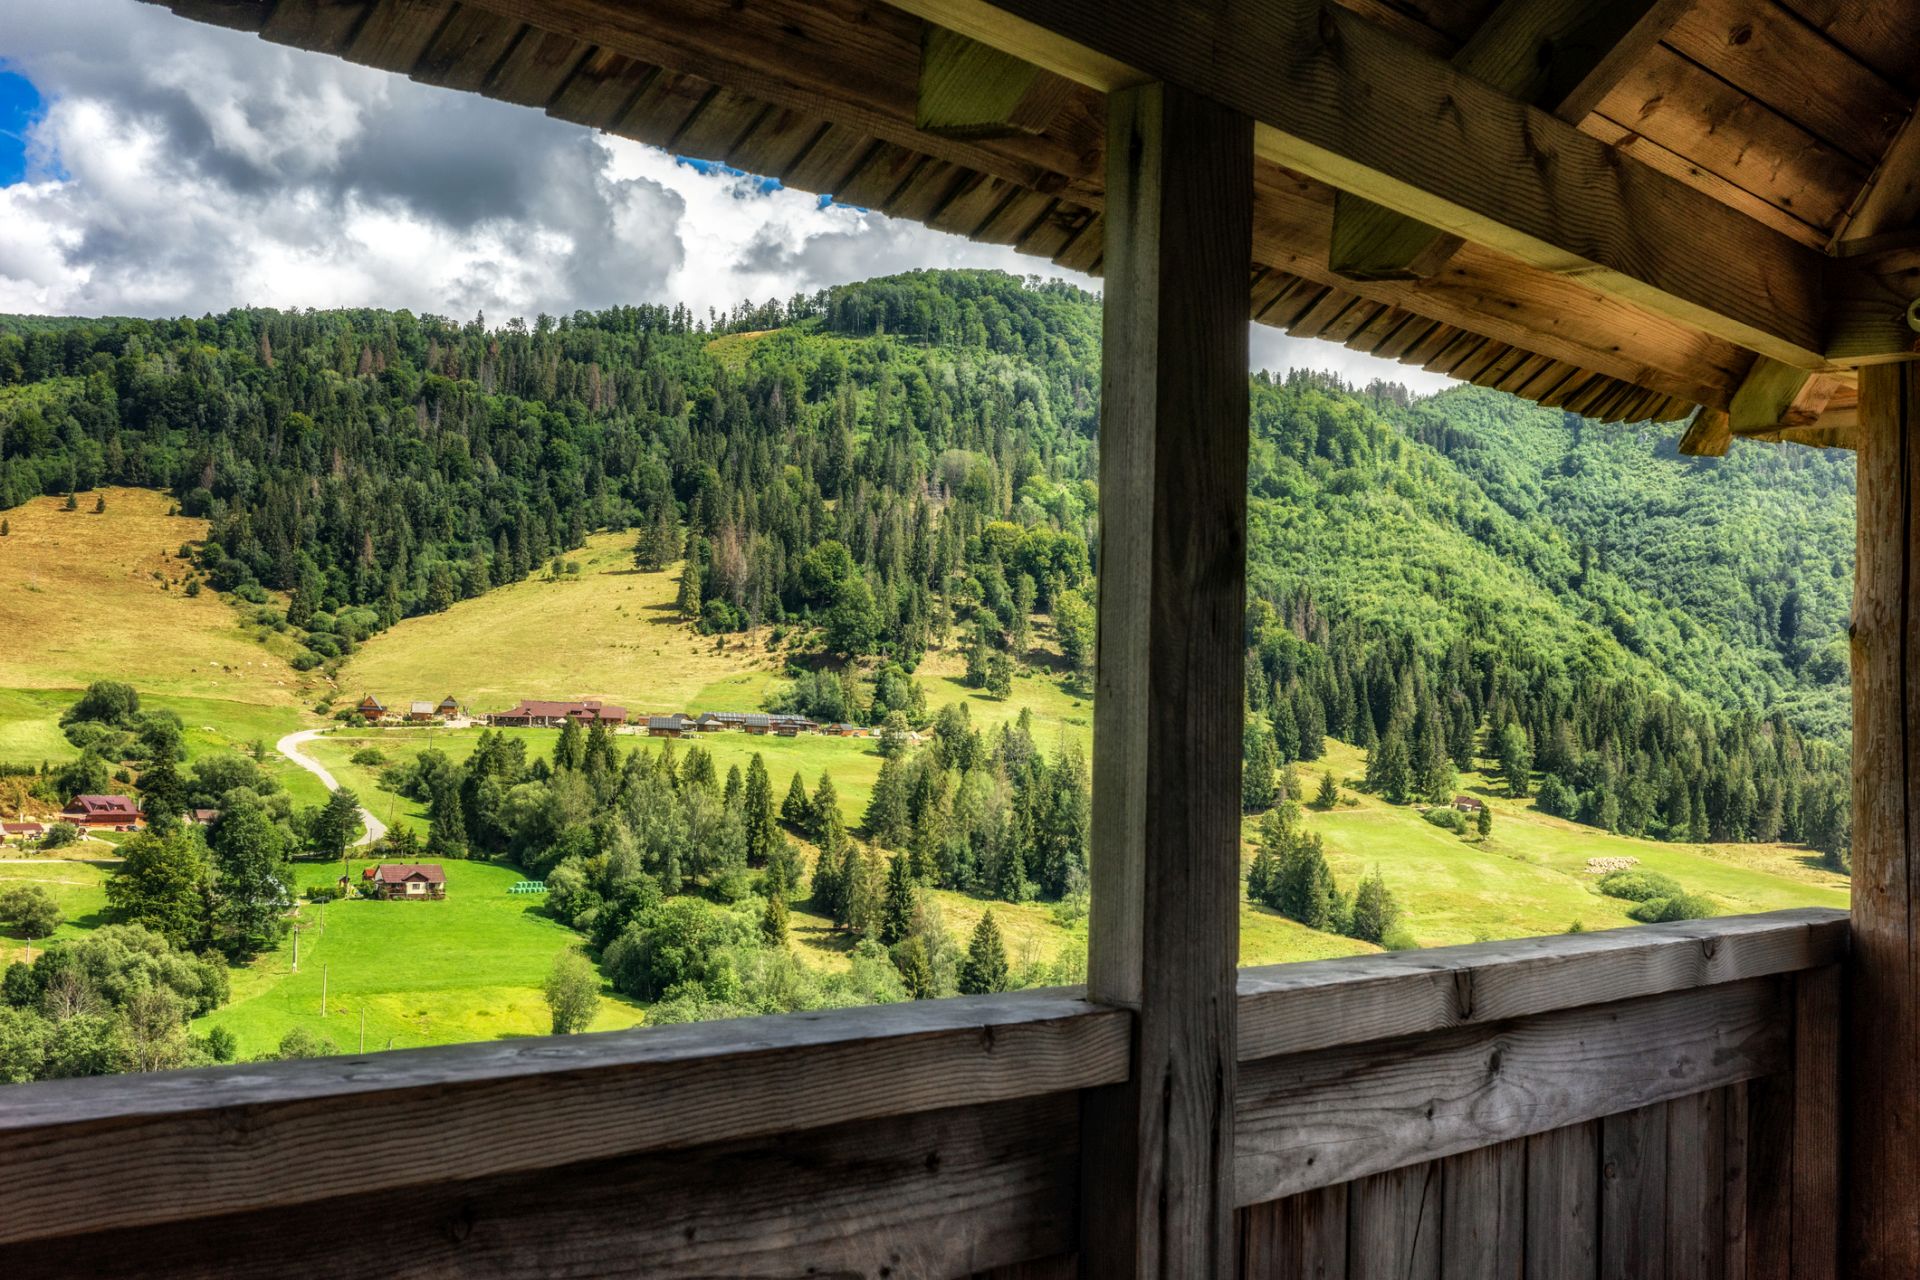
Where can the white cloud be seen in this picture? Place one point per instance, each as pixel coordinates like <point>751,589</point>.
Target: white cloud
<point>181,168</point>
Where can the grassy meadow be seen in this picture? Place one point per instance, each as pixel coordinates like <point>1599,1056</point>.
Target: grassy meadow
<point>100,595</point>
<point>468,967</point>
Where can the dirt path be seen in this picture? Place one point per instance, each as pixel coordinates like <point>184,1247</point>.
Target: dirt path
<point>289,747</point>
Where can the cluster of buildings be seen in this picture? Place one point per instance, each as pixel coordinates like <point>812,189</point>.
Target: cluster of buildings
<point>540,713</point>
<point>374,711</point>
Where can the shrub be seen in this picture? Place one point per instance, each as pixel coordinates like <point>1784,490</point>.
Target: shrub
<point>369,756</point>
<point>1450,818</point>
<point>1639,886</point>
<point>60,835</point>
<point>1681,906</point>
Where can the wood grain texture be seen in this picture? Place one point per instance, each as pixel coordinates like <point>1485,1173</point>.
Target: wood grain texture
<point>1633,1194</point>
<point>1563,1204</point>
<point>943,1193</point>
<point>1816,1126</point>
<point>1324,1003</point>
<point>1163,937</point>
<point>1696,1184</point>
<point>1883,1063</point>
<point>1483,1220</point>
<point>1302,1237</point>
<point>1318,1118</point>
<point>1344,102</point>
<point>190,1143</point>
<point>1393,1224</point>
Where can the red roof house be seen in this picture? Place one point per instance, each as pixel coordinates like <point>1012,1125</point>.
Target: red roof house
<point>110,813</point>
<point>410,880</point>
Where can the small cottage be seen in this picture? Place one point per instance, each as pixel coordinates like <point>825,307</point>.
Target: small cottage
<point>449,707</point>
<point>371,708</point>
<point>673,726</point>
<point>409,880</point>
<point>1468,804</point>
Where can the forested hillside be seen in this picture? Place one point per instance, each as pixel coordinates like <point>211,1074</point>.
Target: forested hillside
<point>1651,643</point>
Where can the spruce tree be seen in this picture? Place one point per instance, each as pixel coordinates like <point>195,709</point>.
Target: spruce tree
<point>758,802</point>
<point>773,921</point>
<point>688,601</point>
<point>447,824</point>
<point>825,808</point>
<point>1329,794</point>
<point>570,752</point>
<point>1256,765</point>
<point>1376,913</point>
<point>984,970</point>
<point>1483,822</point>
<point>902,903</point>
<point>916,970</point>
<point>797,810</point>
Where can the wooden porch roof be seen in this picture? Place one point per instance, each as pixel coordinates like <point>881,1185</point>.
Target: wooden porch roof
<point>1629,207</point>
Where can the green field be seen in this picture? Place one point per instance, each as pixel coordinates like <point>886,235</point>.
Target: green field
<point>466,968</point>
<point>78,886</point>
<point>1531,875</point>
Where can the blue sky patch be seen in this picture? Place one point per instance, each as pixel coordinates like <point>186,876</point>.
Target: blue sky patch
<point>19,107</point>
<point>707,168</point>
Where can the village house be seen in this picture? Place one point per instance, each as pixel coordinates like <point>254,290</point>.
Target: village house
<point>535,713</point>
<point>715,721</point>
<point>449,707</point>
<point>371,708</point>
<point>791,726</point>
<point>758,723</point>
<point>673,726</point>
<point>103,813</point>
<point>21,831</point>
<point>420,712</point>
<point>202,817</point>
<point>1469,804</point>
<point>407,880</point>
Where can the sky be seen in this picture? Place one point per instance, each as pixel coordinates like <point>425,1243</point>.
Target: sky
<point>154,166</point>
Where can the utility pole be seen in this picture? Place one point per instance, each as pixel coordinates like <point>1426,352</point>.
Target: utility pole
<point>296,948</point>
<point>323,990</point>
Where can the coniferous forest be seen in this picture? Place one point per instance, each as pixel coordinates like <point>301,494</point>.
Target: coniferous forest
<point>1638,640</point>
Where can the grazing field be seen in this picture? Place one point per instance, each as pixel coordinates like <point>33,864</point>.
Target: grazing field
<point>465,968</point>
<point>79,887</point>
<point>94,596</point>
<point>609,632</point>
<point>1531,874</point>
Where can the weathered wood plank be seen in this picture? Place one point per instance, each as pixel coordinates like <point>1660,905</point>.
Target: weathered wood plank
<point>1816,1126</point>
<point>1316,1118</point>
<point>1696,1181</point>
<point>1333,97</point>
<point>937,1194</point>
<point>1163,937</point>
<point>971,90</point>
<point>1737,1189</point>
<point>1302,1237</point>
<point>1563,1201</point>
<point>1393,1224</point>
<point>1322,1003</point>
<point>1633,1195</point>
<point>1883,1061</point>
<point>190,1143</point>
<point>1483,1218</point>
<point>1560,55</point>
<point>1769,1254</point>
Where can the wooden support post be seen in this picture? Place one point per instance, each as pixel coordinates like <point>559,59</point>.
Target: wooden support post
<point>1882,1160</point>
<point>1158,1163</point>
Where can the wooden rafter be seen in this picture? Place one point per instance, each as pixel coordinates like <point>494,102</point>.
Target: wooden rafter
<point>1562,56</point>
<point>972,90</point>
<point>1347,103</point>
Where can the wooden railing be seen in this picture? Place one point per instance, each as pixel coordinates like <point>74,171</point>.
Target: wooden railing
<point>1412,1114</point>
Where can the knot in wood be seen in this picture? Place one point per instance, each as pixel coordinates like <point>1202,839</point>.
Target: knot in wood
<point>1463,994</point>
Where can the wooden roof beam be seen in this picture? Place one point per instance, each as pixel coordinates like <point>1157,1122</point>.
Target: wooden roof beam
<point>1562,56</point>
<point>972,90</point>
<point>1343,101</point>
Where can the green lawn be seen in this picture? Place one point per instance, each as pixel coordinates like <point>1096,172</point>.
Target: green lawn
<point>466,968</point>
<point>79,887</point>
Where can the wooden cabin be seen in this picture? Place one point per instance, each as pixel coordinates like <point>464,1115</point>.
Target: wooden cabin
<point>673,726</point>
<point>448,707</point>
<point>103,813</point>
<point>1635,210</point>
<point>421,712</point>
<point>537,713</point>
<point>370,708</point>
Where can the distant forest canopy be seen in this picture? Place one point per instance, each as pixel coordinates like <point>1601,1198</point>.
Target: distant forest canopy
<point>1654,644</point>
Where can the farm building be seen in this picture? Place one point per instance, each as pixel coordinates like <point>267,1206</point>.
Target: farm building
<point>418,711</point>
<point>1469,804</point>
<point>1695,211</point>
<point>536,713</point>
<point>448,707</point>
<point>673,726</point>
<point>715,721</point>
<point>102,813</point>
<point>22,830</point>
<point>371,708</point>
<point>202,817</point>
<point>409,880</point>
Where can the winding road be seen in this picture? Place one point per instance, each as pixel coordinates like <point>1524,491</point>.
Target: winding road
<point>289,747</point>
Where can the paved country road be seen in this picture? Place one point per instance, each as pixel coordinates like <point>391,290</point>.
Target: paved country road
<point>289,747</point>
